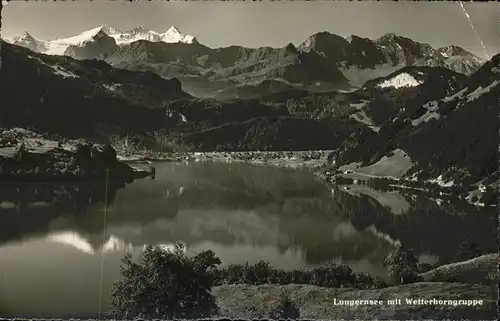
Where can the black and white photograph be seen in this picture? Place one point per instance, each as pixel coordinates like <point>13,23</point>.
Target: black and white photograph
<point>278,160</point>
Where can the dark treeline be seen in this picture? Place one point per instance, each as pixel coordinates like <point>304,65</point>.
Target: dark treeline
<point>169,284</point>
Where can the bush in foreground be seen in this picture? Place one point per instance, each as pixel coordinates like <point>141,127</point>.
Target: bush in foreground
<point>403,266</point>
<point>331,275</point>
<point>169,284</point>
<point>165,285</point>
<point>467,250</point>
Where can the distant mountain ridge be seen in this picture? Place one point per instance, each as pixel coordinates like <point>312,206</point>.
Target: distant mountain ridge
<point>80,97</point>
<point>448,124</point>
<point>59,46</point>
<point>323,62</point>
<point>28,41</point>
<point>445,121</point>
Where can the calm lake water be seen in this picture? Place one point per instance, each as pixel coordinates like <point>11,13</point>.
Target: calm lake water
<point>55,241</point>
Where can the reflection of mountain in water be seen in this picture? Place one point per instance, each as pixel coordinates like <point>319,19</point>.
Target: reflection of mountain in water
<point>242,205</point>
<point>427,226</point>
<point>27,209</point>
<point>112,244</point>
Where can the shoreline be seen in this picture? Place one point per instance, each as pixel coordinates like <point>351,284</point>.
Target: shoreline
<point>49,160</point>
<point>318,162</point>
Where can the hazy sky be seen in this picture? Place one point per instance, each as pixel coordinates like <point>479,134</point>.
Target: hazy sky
<point>254,24</point>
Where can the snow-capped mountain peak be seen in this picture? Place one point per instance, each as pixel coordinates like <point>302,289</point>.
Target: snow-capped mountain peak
<point>135,31</point>
<point>108,30</point>
<point>59,46</point>
<point>389,37</point>
<point>174,35</point>
<point>135,34</point>
<point>140,28</point>
<point>449,51</point>
<point>173,30</point>
<point>81,38</point>
<point>24,36</point>
<point>28,41</point>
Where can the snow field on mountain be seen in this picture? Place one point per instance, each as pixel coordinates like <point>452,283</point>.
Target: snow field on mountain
<point>357,76</point>
<point>429,115</point>
<point>400,81</point>
<point>112,87</point>
<point>58,70</point>
<point>481,91</point>
<point>464,96</point>
<point>362,117</point>
<point>59,46</point>
<point>439,181</point>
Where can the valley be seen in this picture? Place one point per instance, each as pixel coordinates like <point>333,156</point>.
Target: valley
<point>335,150</point>
<point>420,110</point>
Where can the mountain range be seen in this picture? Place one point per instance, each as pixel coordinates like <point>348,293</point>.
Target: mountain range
<point>323,62</point>
<point>59,46</point>
<point>362,98</point>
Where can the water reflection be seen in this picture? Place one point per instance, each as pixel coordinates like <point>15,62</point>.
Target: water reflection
<point>51,251</point>
<point>27,210</point>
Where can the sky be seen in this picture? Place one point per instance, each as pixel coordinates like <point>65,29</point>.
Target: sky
<point>277,23</point>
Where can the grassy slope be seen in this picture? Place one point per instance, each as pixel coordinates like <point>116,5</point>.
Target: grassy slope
<point>483,269</point>
<point>248,301</point>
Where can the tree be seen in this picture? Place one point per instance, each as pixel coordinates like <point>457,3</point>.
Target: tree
<point>467,250</point>
<point>21,151</point>
<point>165,285</point>
<point>108,154</point>
<point>490,196</point>
<point>403,266</point>
<point>83,155</point>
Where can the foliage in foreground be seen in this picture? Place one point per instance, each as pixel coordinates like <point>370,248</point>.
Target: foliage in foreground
<point>467,250</point>
<point>168,284</point>
<point>403,266</point>
<point>165,285</point>
<point>331,275</point>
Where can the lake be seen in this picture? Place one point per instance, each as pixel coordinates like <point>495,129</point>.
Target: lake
<point>57,242</point>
